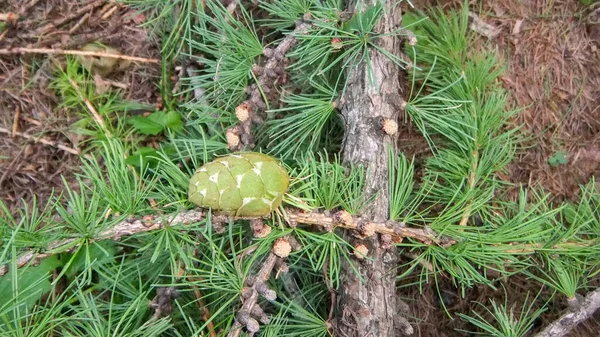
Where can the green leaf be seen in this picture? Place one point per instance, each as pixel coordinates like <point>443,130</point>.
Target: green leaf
<point>148,156</point>
<point>98,252</point>
<point>173,121</point>
<point>31,282</point>
<point>145,125</point>
<point>559,158</point>
<point>142,153</point>
<point>157,122</point>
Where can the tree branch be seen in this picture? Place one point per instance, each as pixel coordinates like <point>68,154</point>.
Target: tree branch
<point>268,78</point>
<point>565,323</point>
<point>127,227</point>
<point>150,223</point>
<point>256,285</point>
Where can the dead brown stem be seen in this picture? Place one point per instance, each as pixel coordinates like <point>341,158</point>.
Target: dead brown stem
<point>41,140</point>
<point>15,127</point>
<point>52,51</point>
<point>79,23</point>
<point>90,107</point>
<point>205,312</point>
<point>471,184</point>
<point>77,14</point>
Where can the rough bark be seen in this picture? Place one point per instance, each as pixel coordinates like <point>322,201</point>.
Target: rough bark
<point>569,320</point>
<point>369,307</point>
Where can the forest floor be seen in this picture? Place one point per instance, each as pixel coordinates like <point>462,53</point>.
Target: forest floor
<point>552,55</point>
<point>553,75</point>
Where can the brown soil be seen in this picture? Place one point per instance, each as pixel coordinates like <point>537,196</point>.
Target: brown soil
<point>27,104</point>
<point>554,74</point>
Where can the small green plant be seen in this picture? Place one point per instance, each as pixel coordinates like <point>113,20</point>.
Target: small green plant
<point>78,93</point>
<point>504,321</point>
<point>557,159</point>
<point>157,122</point>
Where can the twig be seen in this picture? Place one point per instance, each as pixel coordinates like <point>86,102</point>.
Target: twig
<point>3,35</point>
<point>471,182</point>
<point>127,227</point>
<point>15,127</point>
<point>256,286</point>
<point>110,12</point>
<point>90,107</point>
<point>27,7</point>
<point>332,292</point>
<point>569,320</point>
<point>79,23</point>
<point>205,313</point>
<point>149,223</point>
<point>77,14</point>
<point>19,50</point>
<point>41,140</point>
<point>263,92</point>
<point>344,220</point>
<point>162,303</point>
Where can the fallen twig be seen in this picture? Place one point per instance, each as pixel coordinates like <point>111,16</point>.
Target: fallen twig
<point>27,7</point>
<point>40,140</point>
<point>569,320</point>
<point>19,50</point>
<point>110,12</point>
<point>15,127</point>
<point>74,15</point>
<point>79,23</point>
<point>205,313</point>
<point>8,17</point>
<point>202,306</point>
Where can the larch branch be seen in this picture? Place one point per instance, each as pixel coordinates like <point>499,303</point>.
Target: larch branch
<point>569,320</point>
<point>150,223</point>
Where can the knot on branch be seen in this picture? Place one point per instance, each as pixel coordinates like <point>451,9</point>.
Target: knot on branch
<point>251,313</point>
<point>162,302</point>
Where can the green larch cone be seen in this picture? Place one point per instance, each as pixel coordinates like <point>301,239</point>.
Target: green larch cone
<point>246,184</point>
